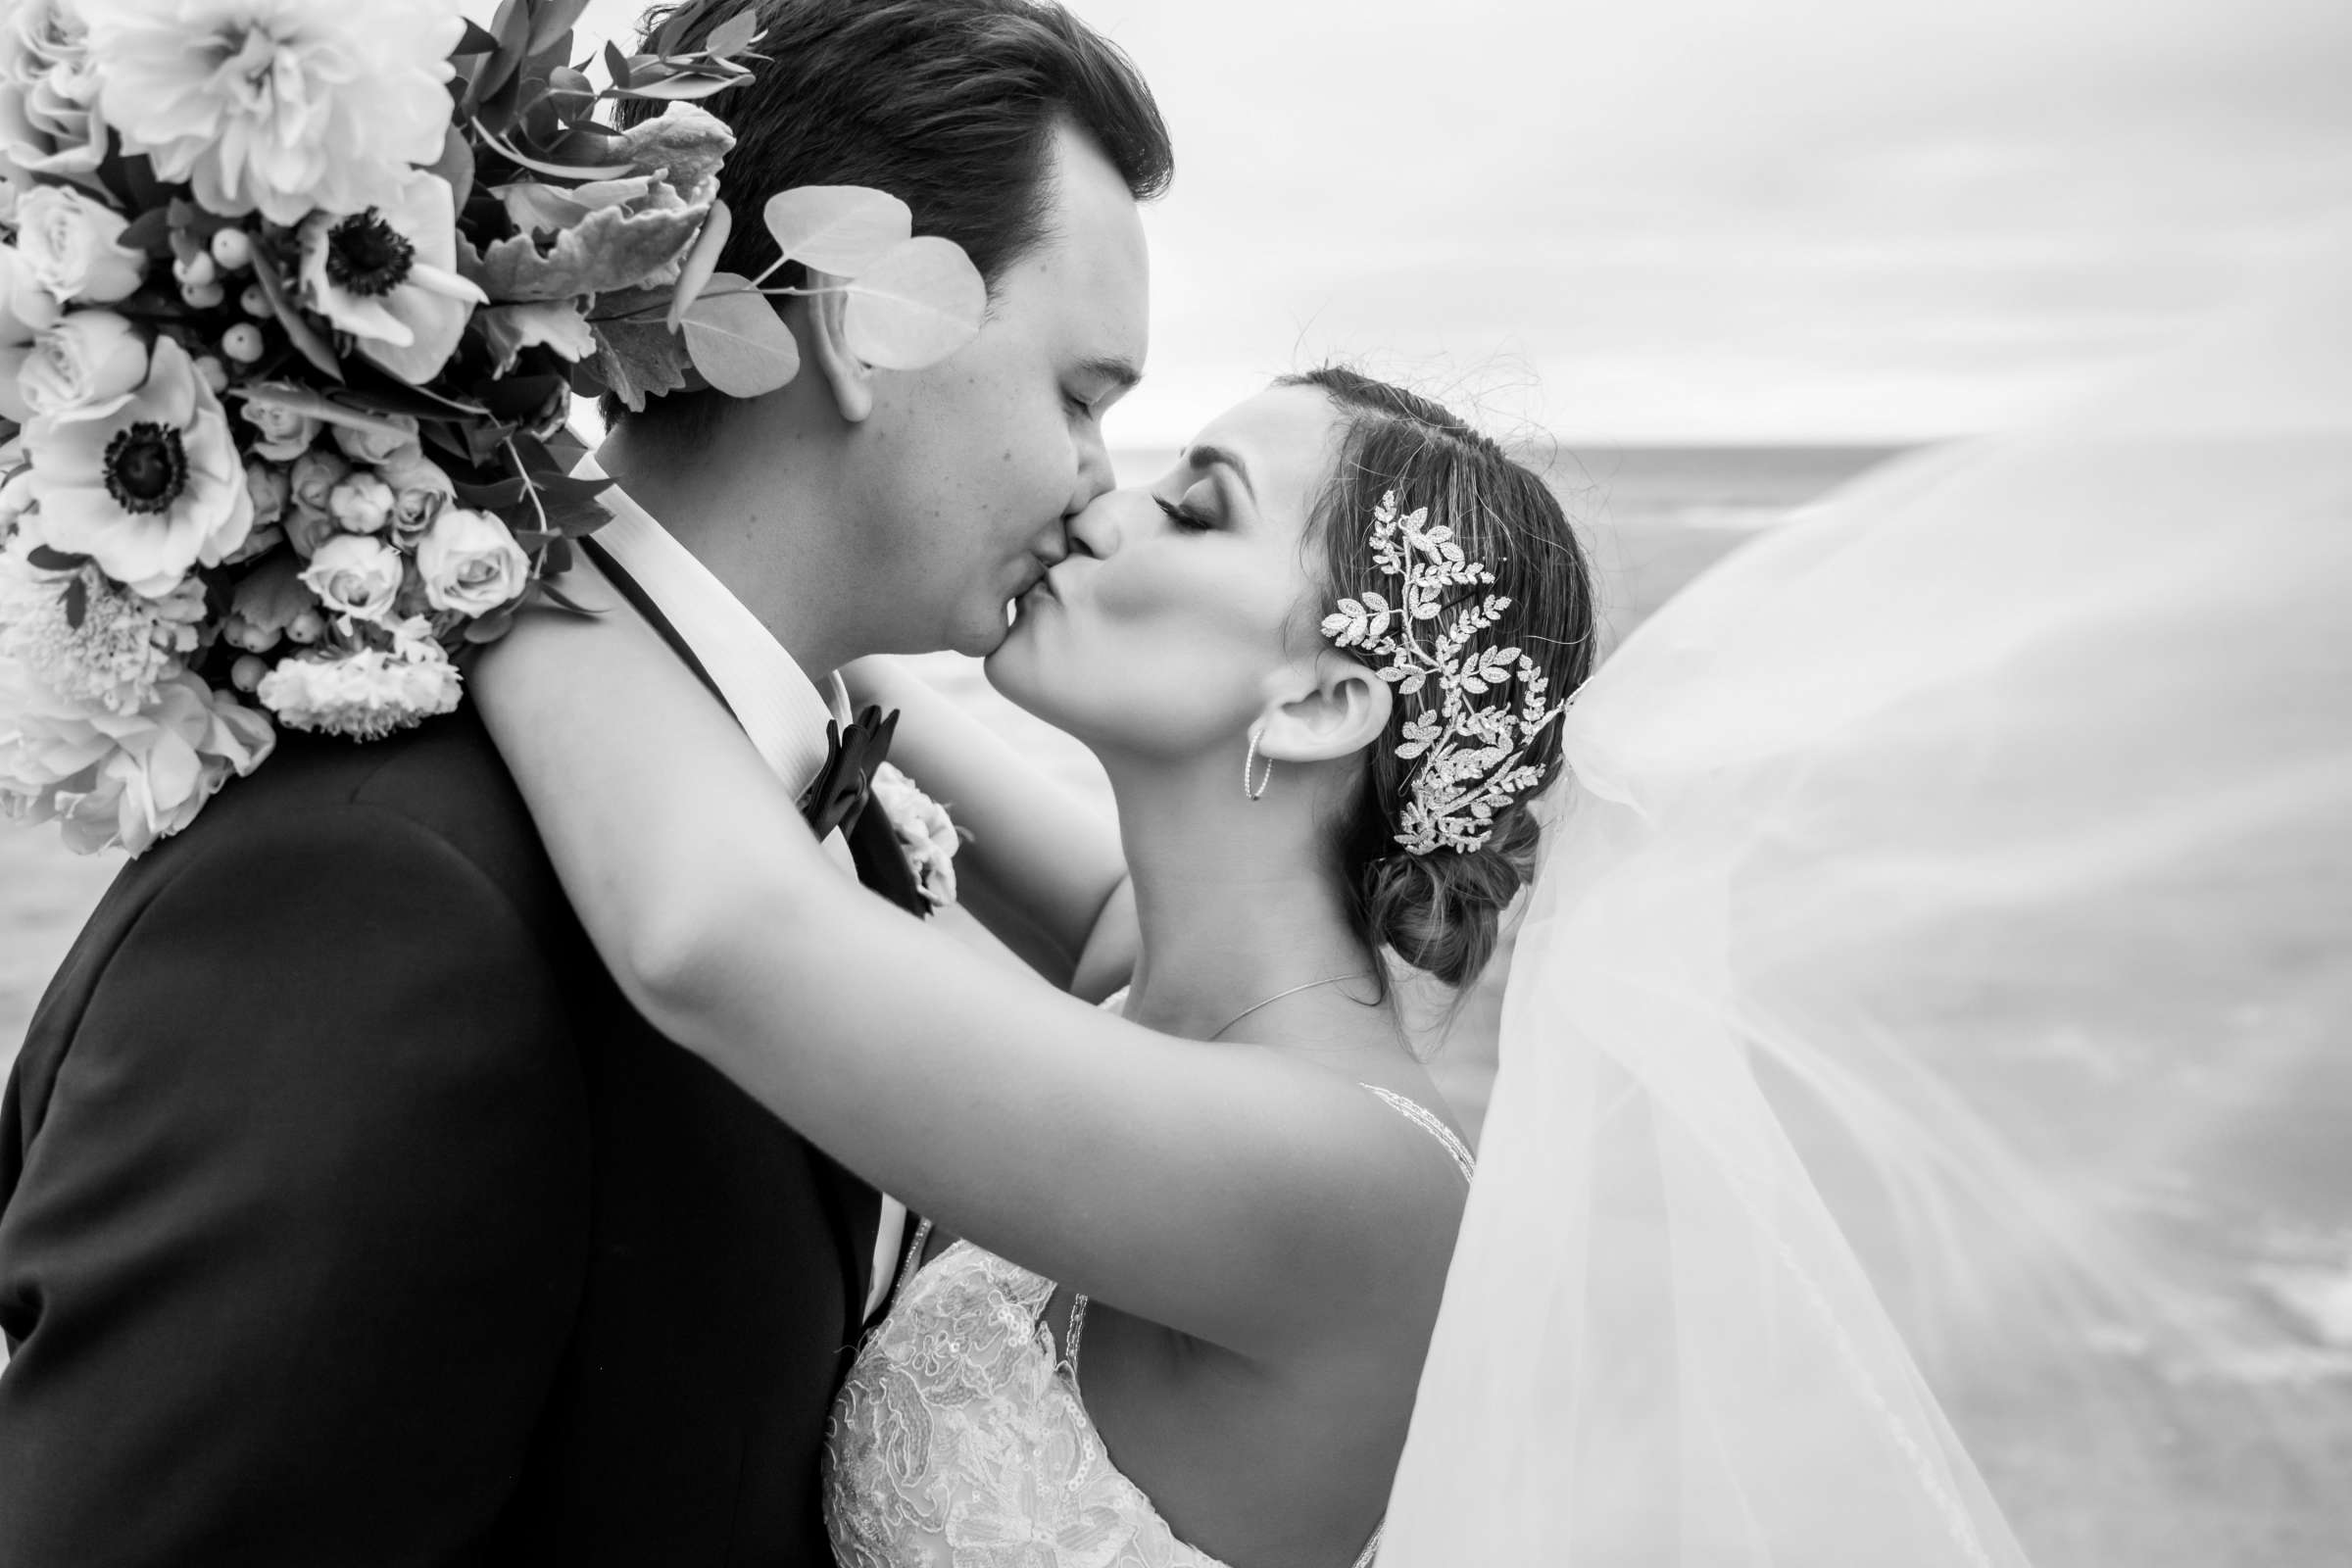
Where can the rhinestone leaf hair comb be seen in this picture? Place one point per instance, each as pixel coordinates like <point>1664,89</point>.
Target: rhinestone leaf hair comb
<point>1471,745</point>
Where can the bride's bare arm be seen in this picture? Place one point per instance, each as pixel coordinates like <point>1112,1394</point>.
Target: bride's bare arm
<point>1043,868</point>
<point>1251,1200</point>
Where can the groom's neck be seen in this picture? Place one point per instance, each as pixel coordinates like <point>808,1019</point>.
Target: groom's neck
<point>762,524</point>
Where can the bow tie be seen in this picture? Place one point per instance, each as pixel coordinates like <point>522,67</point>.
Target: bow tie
<point>840,791</point>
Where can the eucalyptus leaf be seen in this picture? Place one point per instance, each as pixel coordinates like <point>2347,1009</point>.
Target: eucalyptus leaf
<point>738,341</point>
<point>681,88</point>
<point>554,19</point>
<point>617,64</point>
<point>738,32</point>
<point>920,302</point>
<point>841,229</point>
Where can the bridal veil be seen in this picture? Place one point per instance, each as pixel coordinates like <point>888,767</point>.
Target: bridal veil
<point>1940,961</point>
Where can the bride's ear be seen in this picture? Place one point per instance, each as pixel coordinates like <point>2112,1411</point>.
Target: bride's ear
<point>849,380</point>
<point>1346,709</point>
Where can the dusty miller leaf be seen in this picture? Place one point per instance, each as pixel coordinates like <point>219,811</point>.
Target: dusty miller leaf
<point>509,330</point>
<point>920,302</point>
<point>638,360</point>
<point>610,247</point>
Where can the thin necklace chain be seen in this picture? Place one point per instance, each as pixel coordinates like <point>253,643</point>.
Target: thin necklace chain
<point>1327,980</point>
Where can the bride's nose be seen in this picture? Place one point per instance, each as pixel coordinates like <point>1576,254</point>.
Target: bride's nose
<point>1097,531</point>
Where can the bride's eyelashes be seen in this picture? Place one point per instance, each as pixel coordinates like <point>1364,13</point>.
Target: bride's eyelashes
<point>1184,517</point>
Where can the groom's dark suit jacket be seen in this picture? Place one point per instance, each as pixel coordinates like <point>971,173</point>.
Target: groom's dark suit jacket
<point>350,1215</point>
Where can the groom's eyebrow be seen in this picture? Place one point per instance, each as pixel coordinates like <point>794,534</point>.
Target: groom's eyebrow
<point>1118,373</point>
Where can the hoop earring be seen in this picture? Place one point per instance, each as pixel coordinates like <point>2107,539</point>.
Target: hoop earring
<point>1249,767</point>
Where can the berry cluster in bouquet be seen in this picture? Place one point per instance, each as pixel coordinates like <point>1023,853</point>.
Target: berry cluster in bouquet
<point>294,298</point>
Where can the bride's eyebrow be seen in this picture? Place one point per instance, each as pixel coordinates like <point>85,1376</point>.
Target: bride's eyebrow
<point>1208,456</point>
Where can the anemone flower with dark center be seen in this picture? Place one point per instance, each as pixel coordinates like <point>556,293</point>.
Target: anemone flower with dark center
<point>388,276</point>
<point>365,256</point>
<point>146,466</point>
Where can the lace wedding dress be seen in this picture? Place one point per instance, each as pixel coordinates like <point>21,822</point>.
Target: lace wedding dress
<point>961,1436</point>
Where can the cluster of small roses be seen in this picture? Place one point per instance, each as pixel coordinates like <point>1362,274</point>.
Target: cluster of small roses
<point>294,296</point>
<point>1472,745</point>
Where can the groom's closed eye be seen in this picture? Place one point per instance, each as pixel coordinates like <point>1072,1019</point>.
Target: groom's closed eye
<point>1096,384</point>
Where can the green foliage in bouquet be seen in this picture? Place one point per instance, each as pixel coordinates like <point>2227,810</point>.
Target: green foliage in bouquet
<point>294,298</point>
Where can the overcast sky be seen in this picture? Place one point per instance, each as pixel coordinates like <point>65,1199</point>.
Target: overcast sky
<point>1697,219</point>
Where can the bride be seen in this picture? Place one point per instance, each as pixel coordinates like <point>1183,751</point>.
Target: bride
<point>1200,1236</point>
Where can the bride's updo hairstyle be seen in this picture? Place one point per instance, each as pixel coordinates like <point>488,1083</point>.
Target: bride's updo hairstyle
<point>1441,912</point>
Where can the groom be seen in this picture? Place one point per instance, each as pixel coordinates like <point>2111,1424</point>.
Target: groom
<point>348,1214</point>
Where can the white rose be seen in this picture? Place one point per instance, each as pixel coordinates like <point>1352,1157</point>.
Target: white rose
<point>378,447</point>
<point>26,310</point>
<point>285,433</point>
<point>122,780</point>
<point>419,490</point>
<point>360,503</point>
<point>354,575</point>
<point>266,482</point>
<point>314,475</point>
<point>927,836</point>
<point>471,564</point>
<point>74,245</point>
<point>306,528</point>
<point>85,368</point>
<point>48,121</point>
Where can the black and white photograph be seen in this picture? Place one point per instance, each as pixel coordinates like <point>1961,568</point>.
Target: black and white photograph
<point>1104,784</point>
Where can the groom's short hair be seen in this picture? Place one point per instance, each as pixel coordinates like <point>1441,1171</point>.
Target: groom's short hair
<point>948,105</point>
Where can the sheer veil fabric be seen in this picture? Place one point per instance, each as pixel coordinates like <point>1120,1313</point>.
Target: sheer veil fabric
<point>1958,878</point>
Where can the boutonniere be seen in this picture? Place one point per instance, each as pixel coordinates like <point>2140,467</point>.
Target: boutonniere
<point>928,835</point>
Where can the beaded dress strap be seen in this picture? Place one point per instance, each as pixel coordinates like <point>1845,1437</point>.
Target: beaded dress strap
<point>1426,1120</point>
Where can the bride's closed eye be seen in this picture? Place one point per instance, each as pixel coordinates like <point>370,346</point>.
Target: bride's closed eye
<point>1186,516</point>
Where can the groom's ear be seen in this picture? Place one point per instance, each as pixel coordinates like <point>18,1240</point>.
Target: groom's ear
<point>849,379</point>
<point>1344,709</point>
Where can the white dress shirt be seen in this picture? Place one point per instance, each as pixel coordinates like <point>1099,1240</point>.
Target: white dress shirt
<point>780,708</point>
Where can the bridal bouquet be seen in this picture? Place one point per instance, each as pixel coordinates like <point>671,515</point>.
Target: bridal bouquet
<point>294,296</point>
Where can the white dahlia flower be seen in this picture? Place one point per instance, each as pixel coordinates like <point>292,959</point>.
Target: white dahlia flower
<point>284,105</point>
